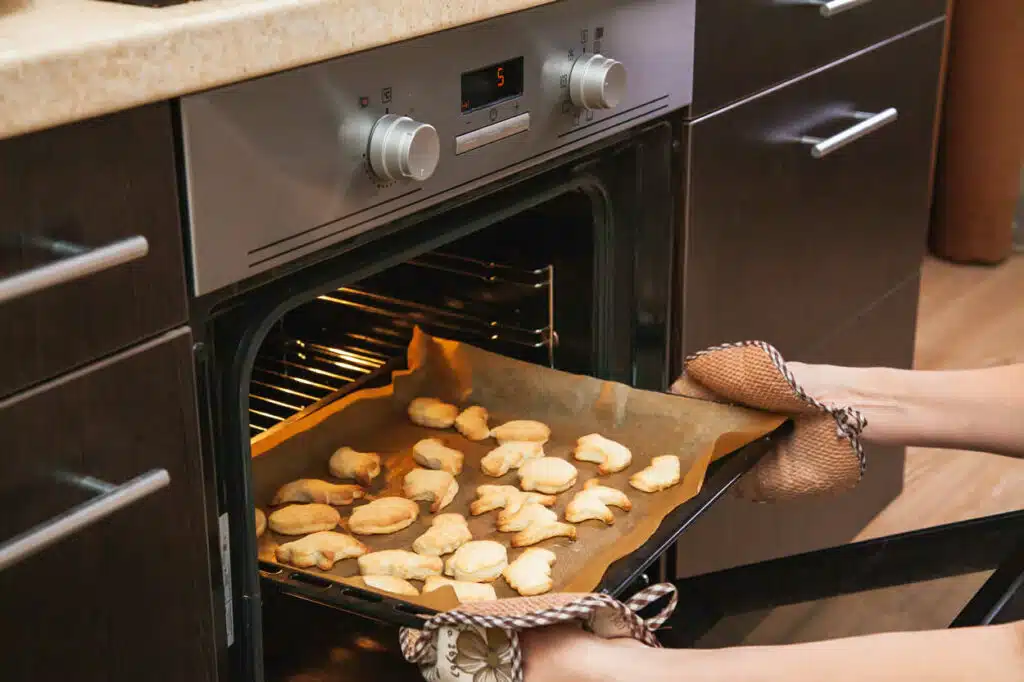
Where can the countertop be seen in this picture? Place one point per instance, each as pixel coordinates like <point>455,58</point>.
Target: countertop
<point>67,60</point>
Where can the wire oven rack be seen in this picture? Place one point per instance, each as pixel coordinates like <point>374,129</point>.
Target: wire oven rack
<point>355,336</point>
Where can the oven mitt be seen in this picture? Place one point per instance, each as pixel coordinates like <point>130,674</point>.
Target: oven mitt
<point>822,454</point>
<point>480,641</point>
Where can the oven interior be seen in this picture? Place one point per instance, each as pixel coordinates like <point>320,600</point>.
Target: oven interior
<point>523,287</point>
<point>569,266</point>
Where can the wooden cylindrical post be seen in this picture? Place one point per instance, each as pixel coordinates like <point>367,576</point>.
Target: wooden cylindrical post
<point>982,139</point>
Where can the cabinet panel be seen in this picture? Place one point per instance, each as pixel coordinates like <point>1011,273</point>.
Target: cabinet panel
<point>65,193</point>
<point>129,596</point>
<point>745,46</point>
<point>736,532</point>
<point>785,247</point>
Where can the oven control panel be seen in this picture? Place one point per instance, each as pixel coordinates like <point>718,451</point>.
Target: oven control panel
<point>282,166</point>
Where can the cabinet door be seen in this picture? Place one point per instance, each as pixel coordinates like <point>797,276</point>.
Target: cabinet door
<point>91,257</point>
<point>783,246</point>
<point>782,39</point>
<point>736,532</point>
<point>126,597</point>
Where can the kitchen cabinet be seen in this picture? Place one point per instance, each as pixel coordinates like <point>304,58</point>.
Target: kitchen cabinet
<point>97,198</point>
<point>818,255</point>
<point>785,247</point>
<point>736,532</point>
<point>129,596</point>
<point>745,46</point>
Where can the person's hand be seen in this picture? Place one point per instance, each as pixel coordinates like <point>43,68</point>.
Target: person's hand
<point>566,653</point>
<point>822,454</point>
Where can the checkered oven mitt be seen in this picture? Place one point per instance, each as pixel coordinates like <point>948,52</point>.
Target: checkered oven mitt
<point>822,454</point>
<point>480,641</point>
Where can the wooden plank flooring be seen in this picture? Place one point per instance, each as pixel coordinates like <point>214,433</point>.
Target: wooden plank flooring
<point>968,317</point>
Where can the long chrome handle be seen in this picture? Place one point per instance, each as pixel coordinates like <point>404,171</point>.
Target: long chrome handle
<point>834,7</point>
<point>869,123</point>
<point>75,267</point>
<point>45,534</point>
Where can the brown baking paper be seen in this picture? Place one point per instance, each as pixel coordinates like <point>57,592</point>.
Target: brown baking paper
<point>374,420</point>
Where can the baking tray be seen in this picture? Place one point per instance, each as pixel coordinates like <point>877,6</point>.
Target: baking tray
<point>605,559</point>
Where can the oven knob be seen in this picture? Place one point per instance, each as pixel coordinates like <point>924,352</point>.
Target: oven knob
<point>403,148</point>
<point>597,82</point>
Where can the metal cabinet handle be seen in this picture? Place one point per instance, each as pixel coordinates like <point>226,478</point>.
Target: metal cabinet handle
<point>111,499</point>
<point>834,7</point>
<point>75,267</point>
<point>869,123</point>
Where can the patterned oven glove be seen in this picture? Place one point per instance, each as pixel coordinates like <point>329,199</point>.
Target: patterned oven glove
<point>479,642</point>
<point>822,454</point>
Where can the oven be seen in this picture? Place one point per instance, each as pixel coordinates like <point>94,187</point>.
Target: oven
<point>511,184</point>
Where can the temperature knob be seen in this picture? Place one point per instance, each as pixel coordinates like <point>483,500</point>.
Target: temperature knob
<point>403,148</point>
<point>597,82</point>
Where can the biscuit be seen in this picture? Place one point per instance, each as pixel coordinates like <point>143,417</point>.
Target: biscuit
<point>509,497</point>
<point>530,574</point>
<point>610,456</point>
<point>434,454</point>
<point>302,519</point>
<point>399,563</point>
<point>261,522</point>
<point>593,501</point>
<point>432,413</point>
<point>472,423</point>
<point>538,532</point>
<point>549,475</point>
<point>464,592</point>
<point>479,561</point>
<point>313,490</point>
<point>347,463</point>
<point>522,430</point>
<point>510,455</point>
<point>524,516</point>
<point>387,583</point>
<point>383,516</point>
<point>322,549</point>
<point>430,485</point>
<point>446,534</point>
<point>662,473</point>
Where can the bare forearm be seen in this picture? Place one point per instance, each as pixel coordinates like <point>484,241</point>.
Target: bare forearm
<point>979,409</point>
<point>993,654</point>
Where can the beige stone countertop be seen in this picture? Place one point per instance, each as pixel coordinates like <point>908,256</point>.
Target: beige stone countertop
<point>67,60</point>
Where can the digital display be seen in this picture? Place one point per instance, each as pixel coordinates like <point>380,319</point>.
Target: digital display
<point>492,84</point>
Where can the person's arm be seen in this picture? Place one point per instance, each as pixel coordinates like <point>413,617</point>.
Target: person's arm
<point>992,654</point>
<point>978,409</point>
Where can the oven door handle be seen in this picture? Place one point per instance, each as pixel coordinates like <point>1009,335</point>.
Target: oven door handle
<point>869,123</point>
<point>111,498</point>
<point>87,262</point>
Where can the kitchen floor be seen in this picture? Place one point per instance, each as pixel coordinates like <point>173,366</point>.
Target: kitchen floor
<point>968,317</point>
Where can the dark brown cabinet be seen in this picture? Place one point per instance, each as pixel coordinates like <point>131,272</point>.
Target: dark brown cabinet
<point>96,199</point>
<point>127,597</point>
<point>745,46</point>
<point>785,247</point>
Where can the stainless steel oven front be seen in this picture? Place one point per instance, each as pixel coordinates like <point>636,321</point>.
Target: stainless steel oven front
<point>511,183</point>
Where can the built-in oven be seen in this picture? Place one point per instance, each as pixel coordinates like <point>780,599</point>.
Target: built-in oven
<point>510,183</point>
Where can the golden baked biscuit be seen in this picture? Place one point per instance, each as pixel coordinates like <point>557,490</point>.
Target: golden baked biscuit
<point>384,516</point>
<point>302,519</point>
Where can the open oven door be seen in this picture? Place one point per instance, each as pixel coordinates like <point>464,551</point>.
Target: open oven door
<point>727,608</point>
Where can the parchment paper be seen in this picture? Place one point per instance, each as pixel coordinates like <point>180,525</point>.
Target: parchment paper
<point>374,420</point>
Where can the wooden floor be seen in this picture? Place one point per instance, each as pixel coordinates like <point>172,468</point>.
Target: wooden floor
<point>969,317</point>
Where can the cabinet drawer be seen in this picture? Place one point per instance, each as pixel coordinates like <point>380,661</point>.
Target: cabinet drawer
<point>783,246</point>
<point>736,532</point>
<point>91,256</point>
<point>126,597</point>
<point>745,46</point>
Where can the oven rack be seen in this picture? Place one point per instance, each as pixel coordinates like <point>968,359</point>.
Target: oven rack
<point>356,336</point>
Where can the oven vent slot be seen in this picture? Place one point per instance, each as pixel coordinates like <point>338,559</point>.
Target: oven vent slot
<point>356,335</point>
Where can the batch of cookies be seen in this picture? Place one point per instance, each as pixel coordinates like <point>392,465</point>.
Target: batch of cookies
<point>471,565</point>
